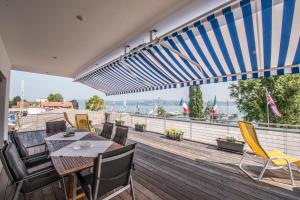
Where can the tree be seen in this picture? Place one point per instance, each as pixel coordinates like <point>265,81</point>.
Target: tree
<point>75,104</point>
<point>95,103</point>
<point>15,100</point>
<point>250,98</point>
<point>161,112</point>
<point>192,101</point>
<point>196,102</point>
<point>207,110</point>
<point>55,97</point>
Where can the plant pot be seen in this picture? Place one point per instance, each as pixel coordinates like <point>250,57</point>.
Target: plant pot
<point>139,128</point>
<point>175,137</point>
<point>230,146</point>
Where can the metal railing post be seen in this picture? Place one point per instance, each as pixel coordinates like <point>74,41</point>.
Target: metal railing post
<point>165,124</point>
<point>36,122</point>
<point>191,129</point>
<point>285,140</point>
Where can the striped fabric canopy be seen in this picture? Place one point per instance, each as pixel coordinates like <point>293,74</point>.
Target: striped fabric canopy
<point>246,39</point>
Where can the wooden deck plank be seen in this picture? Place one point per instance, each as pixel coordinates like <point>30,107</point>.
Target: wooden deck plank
<point>168,170</point>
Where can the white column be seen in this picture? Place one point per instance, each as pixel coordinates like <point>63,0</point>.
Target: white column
<point>4,91</point>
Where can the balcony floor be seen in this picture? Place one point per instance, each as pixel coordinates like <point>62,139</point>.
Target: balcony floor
<point>168,169</point>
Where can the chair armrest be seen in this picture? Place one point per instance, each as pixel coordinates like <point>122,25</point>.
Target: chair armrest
<point>36,145</point>
<point>37,156</point>
<point>35,174</point>
<point>280,158</point>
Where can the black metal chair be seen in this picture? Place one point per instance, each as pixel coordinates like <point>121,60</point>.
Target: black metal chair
<point>30,160</point>
<point>107,130</point>
<point>18,174</point>
<point>121,135</point>
<point>111,172</point>
<point>55,127</point>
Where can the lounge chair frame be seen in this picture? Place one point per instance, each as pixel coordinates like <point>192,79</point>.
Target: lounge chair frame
<point>268,161</point>
<point>266,165</point>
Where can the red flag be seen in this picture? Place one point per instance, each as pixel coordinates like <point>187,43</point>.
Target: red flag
<point>272,105</point>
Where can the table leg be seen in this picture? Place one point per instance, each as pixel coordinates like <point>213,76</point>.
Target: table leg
<point>74,187</point>
<point>70,186</point>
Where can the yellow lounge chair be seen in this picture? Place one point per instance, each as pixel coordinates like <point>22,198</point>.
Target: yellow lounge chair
<point>67,120</point>
<point>83,123</point>
<point>272,159</point>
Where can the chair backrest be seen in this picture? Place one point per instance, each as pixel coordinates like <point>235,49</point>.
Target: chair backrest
<point>82,122</point>
<point>12,163</point>
<point>121,135</point>
<point>107,130</point>
<point>112,170</point>
<point>249,134</point>
<point>54,127</point>
<point>19,145</point>
<point>67,119</point>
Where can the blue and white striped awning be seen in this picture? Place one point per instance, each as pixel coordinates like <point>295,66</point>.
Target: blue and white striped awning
<point>247,39</point>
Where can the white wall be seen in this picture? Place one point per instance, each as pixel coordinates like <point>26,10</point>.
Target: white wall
<point>4,91</point>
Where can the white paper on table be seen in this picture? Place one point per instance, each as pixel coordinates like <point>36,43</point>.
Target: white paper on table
<point>92,151</point>
<point>60,136</point>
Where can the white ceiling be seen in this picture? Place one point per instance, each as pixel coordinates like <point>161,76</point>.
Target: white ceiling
<point>36,31</point>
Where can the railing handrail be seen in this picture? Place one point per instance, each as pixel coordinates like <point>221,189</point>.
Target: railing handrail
<point>270,126</point>
<point>284,137</point>
<point>231,123</point>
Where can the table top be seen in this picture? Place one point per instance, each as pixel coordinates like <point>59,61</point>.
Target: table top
<point>68,165</point>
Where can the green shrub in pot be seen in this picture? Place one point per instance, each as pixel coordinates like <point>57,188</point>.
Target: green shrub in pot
<point>140,127</point>
<point>119,122</point>
<point>230,143</point>
<point>174,133</point>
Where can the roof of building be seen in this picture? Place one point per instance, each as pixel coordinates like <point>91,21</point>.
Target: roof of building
<point>57,104</point>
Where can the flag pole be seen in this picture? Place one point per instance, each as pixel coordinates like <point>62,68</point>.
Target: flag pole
<point>268,117</point>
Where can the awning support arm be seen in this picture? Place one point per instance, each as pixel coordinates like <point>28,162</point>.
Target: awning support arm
<point>181,55</point>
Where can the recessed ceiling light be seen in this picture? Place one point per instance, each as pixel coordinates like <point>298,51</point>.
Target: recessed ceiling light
<point>80,18</point>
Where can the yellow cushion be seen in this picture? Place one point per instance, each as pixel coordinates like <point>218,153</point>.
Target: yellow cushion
<point>281,162</point>
<point>297,163</point>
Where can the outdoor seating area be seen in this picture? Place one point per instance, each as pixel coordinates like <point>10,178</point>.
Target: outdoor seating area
<point>88,135</point>
<point>163,169</point>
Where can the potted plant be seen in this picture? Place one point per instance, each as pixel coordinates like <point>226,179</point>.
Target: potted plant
<point>119,122</point>
<point>140,127</point>
<point>231,144</point>
<point>174,134</point>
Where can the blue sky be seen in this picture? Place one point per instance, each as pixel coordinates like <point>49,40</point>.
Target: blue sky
<point>39,86</point>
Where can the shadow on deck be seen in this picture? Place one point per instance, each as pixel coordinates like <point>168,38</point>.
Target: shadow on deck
<point>168,169</point>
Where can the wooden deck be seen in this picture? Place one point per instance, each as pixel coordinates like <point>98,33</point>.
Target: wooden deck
<point>168,169</point>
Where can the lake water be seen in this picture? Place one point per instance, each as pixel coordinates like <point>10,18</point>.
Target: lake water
<point>145,106</point>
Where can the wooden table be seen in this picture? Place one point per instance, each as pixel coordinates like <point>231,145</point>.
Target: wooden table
<point>68,166</point>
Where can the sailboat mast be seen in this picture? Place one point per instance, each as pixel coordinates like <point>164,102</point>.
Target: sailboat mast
<point>22,96</point>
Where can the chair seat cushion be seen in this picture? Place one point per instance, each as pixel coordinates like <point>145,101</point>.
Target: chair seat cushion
<point>40,181</point>
<point>15,163</point>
